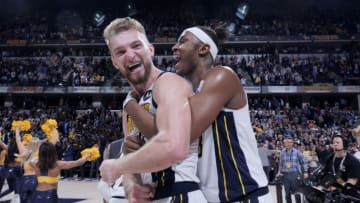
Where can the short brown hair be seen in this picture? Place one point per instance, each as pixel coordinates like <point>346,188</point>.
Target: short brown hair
<point>120,25</point>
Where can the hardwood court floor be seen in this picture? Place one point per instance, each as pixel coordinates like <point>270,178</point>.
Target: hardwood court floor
<point>71,191</point>
<point>85,191</point>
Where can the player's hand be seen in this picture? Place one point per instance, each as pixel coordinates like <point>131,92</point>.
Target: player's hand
<point>136,193</point>
<point>135,94</point>
<point>108,172</point>
<point>131,144</point>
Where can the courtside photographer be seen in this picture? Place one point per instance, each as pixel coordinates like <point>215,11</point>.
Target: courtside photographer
<point>336,181</point>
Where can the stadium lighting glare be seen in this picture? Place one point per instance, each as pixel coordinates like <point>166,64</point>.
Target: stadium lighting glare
<point>131,9</point>
<point>99,18</point>
<point>242,11</point>
<point>231,27</point>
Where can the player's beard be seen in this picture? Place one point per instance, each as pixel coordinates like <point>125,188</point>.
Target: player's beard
<point>141,77</point>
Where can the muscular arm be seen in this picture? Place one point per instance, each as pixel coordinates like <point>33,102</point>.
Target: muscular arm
<point>173,119</point>
<point>128,179</point>
<point>221,88</point>
<point>143,119</point>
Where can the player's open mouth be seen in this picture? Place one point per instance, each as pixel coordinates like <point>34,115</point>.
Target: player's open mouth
<point>134,66</point>
<point>176,58</point>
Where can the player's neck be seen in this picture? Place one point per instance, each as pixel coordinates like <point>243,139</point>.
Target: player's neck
<point>198,75</point>
<point>153,76</point>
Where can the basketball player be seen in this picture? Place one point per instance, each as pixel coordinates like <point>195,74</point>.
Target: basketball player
<point>229,166</point>
<point>168,153</point>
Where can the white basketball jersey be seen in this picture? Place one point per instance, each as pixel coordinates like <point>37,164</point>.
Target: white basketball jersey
<point>179,172</point>
<point>229,165</point>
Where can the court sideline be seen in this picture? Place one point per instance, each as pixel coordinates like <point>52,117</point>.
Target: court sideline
<point>85,191</point>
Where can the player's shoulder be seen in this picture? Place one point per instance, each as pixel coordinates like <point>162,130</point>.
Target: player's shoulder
<point>170,75</point>
<point>170,79</point>
<point>222,74</point>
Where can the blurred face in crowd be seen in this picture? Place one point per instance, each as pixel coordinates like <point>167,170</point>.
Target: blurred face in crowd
<point>289,143</point>
<point>338,144</point>
<point>186,54</point>
<point>353,148</point>
<point>131,54</point>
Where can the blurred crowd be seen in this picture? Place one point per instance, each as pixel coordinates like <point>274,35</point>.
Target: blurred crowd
<point>82,125</point>
<point>54,69</point>
<point>78,24</point>
<point>261,64</point>
<point>273,118</point>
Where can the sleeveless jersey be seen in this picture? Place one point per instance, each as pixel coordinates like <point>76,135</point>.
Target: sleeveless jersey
<point>184,171</point>
<point>229,165</point>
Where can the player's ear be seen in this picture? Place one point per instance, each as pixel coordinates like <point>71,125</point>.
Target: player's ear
<point>152,49</point>
<point>113,60</point>
<point>204,50</point>
<point>114,64</point>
